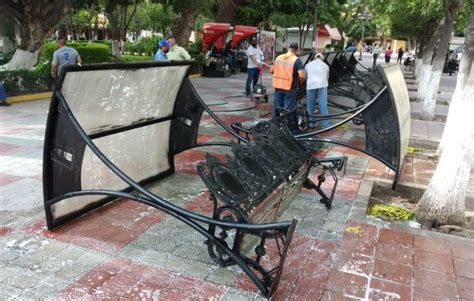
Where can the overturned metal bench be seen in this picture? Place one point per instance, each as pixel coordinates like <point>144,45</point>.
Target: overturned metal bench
<point>114,128</point>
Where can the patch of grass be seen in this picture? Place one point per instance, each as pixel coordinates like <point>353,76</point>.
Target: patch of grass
<point>414,150</point>
<point>135,58</point>
<point>391,212</point>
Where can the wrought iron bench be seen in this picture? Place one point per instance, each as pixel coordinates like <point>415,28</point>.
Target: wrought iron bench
<point>114,128</point>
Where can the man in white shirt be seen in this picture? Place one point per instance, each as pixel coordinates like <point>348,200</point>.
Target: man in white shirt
<point>317,75</point>
<point>253,65</point>
<point>375,53</point>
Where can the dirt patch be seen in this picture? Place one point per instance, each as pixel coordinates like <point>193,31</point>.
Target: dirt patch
<point>408,197</point>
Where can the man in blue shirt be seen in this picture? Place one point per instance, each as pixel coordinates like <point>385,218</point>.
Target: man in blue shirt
<point>164,46</point>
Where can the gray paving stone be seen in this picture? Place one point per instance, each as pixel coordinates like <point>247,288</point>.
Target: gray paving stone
<point>9,292</point>
<point>222,275</point>
<point>46,289</point>
<point>233,294</point>
<point>189,267</point>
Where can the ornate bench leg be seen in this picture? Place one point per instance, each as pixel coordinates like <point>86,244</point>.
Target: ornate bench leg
<point>265,278</point>
<point>327,165</point>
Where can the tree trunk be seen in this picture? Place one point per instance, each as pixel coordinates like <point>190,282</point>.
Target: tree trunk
<point>183,25</point>
<point>463,76</point>
<point>432,82</point>
<point>443,202</point>
<point>426,61</point>
<point>114,28</point>
<point>36,18</point>
<point>226,10</point>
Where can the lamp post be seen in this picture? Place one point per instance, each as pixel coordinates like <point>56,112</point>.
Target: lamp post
<point>365,15</point>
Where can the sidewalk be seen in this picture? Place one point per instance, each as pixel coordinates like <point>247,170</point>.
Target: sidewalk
<point>127,251</point>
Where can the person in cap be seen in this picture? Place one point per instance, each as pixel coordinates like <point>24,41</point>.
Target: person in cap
<point>287,72</point>
<point>317,75</point>
<point>253,65</point>
<point>176,52</point>
<point>163,46</point>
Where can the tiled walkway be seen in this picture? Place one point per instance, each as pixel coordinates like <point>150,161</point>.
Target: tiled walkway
<point>127,251</point>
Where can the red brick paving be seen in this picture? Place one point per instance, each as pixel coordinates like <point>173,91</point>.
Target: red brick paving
<point>464,267</point>
<point>123,278</point>
<point>434,262</point>
<point>107,229</point>
<point>4,230</point>
<point>393,272</point>
<point>384,290</point>
<point>400,265</point>
<point>305,271</point>
<point>436,282</point>
<point>396,237</point>
<point>187,161</point>
<point>465,288</point>
<point>204,138</point>
<point>465,251</point>
<point>7,179</point>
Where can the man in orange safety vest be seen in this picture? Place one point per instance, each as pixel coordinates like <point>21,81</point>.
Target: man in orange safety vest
<point>287,71</point>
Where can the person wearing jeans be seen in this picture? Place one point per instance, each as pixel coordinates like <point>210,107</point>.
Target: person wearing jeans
<point>253,66</point>
<point>317,75</point>
<point>287,71</point>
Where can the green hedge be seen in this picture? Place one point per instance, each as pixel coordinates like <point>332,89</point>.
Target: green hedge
<point>90,52</point>
<point>25,82</point>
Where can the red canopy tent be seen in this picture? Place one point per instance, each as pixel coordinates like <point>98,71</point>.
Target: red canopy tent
<point>214,33</point>
<point>241,33</point>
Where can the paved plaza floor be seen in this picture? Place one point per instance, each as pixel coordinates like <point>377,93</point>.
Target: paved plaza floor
<point>128,251</point>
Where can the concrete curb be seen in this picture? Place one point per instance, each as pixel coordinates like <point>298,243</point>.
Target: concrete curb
<point>29,97</point>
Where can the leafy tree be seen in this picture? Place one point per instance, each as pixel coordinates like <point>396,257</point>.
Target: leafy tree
<point>119,18</point>
<point>152,16</point>
<point>35,21</point>
<point>186,13</point>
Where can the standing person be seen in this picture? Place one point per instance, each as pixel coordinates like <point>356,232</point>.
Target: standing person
<point>388,54</point>
<point>287,71</point>
<point>3,96</point>
<point>62,57</point>
<point>452,62</point>
<point>375,53</point>
<point>317,75</point>
<point>229,52</point>
<point>176,53</point>
<point>400,55</point>
<point>163,48</point>
<point>253,65</point>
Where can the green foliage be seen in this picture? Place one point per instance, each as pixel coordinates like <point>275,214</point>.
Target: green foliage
<point>89,52</point>
<point>391,212</point>
<point>82,18</point>
<point>152,16</point>
<point>412,18</point>
<point>24,82</point>
<point>135,58</point>
<point>144,45</point>
<point>462,18</point>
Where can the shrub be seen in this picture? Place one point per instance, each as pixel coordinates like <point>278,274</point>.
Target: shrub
<point>25,81</point>
<point>89,52</point>
<point>391,212</point>
<point>135,58</point>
